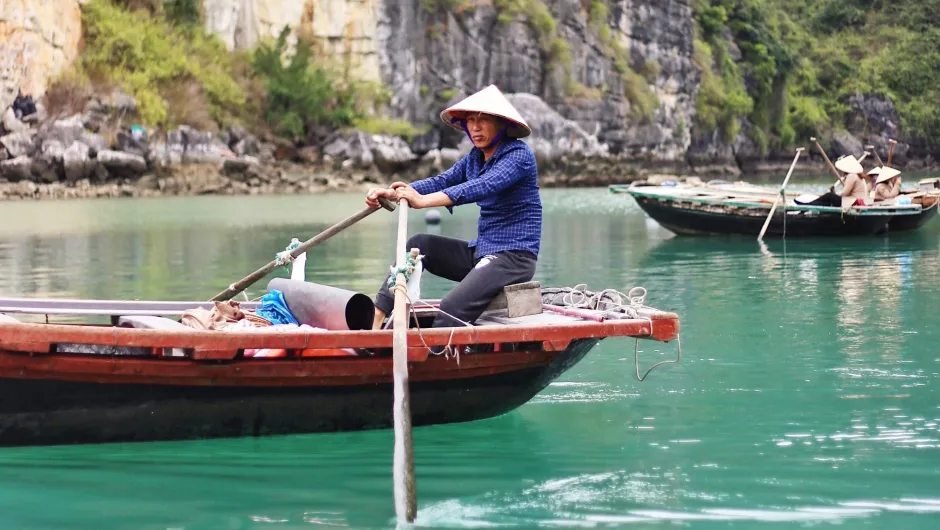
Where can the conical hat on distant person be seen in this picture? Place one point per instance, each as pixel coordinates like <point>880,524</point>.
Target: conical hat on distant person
<point>887,173</point>
<point>849,164</point>
<point>874,171</point>
<point>487,101</point>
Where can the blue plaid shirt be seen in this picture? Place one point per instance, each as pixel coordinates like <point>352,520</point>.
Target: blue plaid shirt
<point>507,190</point>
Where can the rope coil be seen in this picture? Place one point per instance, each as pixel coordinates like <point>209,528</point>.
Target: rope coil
<point>407,269</point>
<point>285,257</point>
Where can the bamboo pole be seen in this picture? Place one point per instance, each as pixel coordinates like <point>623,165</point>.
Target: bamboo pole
<point>782,190</point>
<point>826,158</point>
<point>894,143</point>
<point>250,280</point>
<point>403,472</point>
<point>875,152</point>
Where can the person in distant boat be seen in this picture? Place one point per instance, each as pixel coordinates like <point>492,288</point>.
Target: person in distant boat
<point>869,178</point>
<point>499,174</point>
<point>854,191</point>
<point>888,185</point>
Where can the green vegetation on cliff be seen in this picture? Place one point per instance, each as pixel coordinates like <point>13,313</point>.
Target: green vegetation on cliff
<point>177,73</point>
<point>181,74</point>
<point>800,60</point>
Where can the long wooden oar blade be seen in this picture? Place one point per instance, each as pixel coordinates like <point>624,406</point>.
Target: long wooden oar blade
<point>783,189</point>
<point>403,466</point>
<point>250,280</point>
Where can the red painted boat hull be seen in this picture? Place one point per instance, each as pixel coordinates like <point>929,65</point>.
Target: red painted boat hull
<point>46,411</point>
<point>48,397</point>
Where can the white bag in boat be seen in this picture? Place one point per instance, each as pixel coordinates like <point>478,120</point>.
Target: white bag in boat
<point>414,283</point>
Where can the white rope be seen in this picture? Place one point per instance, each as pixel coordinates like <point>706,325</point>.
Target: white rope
<point>635,298</point>
<point>578,297</point>
<point>448,349</point>
<point>636,357</point>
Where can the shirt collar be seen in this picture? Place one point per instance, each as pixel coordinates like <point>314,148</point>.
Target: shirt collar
<point>503,146</point>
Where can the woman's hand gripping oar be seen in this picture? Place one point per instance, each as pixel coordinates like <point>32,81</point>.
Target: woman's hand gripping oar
<point>250,280</point>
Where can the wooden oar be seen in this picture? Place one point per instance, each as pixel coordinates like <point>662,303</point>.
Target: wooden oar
<point>826,158</point>
<point>875,152</point>
<point>250,280</point>
<point>403,467</point>
<point>777,200</point>
<point>894,143</point>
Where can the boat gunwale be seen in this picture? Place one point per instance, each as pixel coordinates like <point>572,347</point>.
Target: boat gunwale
<point>284,372</point>
<point>913,209</point>
<point>39,338</point>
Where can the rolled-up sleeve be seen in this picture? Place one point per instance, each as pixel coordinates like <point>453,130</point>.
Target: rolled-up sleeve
<point>452,177</point>
<point>503,174</point>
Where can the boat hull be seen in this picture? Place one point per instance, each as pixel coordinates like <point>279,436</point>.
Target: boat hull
<point>908,223</point>
<point>46,411</point>
<point>699,222</point>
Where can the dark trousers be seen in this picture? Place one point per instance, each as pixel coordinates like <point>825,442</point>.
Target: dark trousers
<point>480,279</point>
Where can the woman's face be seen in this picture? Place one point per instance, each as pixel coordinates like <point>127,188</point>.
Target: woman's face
<point>483,128</point>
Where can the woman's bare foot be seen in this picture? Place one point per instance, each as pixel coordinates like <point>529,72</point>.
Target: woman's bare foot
<point>379,319</point>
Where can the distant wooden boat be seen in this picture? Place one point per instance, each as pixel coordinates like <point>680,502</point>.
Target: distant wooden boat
<point>742,210</point>
<point>146,377</point>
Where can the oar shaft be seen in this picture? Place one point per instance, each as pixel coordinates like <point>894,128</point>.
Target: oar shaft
<point>783,188</point>
<point>826,158</point>
<point>875,152</point>
<point>406,503</point>
<point>894,144</point>
<point>250,280</point>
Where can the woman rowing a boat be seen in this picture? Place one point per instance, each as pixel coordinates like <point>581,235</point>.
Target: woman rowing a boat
<point>854,191</point>
<point>888,185</point>
<point>499,174</point>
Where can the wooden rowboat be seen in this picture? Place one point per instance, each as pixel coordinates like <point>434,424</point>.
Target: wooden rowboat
<point>703,210</point>
<point>86,383</point>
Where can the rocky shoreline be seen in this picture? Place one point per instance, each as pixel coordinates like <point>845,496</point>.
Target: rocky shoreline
<point>95,154</point>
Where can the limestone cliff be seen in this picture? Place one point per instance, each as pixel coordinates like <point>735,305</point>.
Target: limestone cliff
<point>38,40</point>
<point>344,28</point>
<point>429,52</point>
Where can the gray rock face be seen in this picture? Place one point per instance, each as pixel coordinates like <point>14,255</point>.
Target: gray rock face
<point>844,143</point>
<point>875,122</point>
<point>248,145</point>
<point>874,115</point>
<point>18,144</point>
<point>120,164</point>
<point>16,169</point>
<point>554,136</point>
<point>116,106</point>
<point>390,154</point>
<point>202,147</point>
<point>65,131</point>
<point>76,163</point>
<point>429,59</point>
<point>94,141</point>
<point>129,144</point>
<point>189,146</point>
<point>387,153</point>
<point>11,124</point>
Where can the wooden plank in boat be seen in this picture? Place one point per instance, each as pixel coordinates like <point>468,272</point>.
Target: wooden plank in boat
<point>50,306</point>
<point>501,318</point>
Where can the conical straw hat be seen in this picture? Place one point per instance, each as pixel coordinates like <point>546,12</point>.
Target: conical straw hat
<point>887,173</point>
<point>875,170</point>
<point>849,164</point>
<point>488,101</point>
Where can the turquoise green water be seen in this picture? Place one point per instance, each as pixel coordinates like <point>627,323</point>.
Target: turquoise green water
<point>807,393</point>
